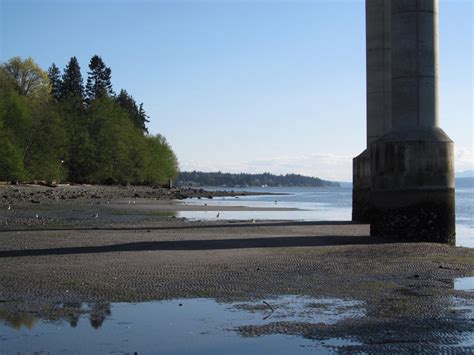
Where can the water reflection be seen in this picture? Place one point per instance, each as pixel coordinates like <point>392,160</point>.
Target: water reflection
<point>68,312</point>
<point>17,320</point>
<point>403,319</point>
<point>98,313</point>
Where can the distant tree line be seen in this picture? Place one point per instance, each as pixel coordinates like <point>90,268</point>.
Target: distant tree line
<point>198,178</point>
<point>53,128</point>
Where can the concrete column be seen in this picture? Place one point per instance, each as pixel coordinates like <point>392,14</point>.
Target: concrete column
<point>411,167</point>
<point>378,62</point>
<point>415,63</point>
<point>377,14</point>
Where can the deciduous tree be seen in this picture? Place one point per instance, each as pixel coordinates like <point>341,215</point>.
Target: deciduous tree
<point>29,78</point>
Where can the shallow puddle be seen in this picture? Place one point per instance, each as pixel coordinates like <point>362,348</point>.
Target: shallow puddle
<point>186,326</point>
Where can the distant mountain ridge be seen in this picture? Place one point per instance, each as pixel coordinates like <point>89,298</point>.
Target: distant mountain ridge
<point>199,178</point>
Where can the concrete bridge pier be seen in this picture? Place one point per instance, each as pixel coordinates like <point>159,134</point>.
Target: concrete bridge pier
<point>412,166</point>
<point>377,13</point>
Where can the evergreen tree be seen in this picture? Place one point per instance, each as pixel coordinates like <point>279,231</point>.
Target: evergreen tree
<point>142,119</point>
<point>99,83</point>
<point>56,82</point>
<point>127,102</point>
<point>72,86</point>
<point>137,114</point>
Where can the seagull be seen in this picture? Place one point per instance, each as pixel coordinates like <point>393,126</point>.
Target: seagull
<point>37,216</point>
<point>9,208</point>
<point>129,202</point>
<point>108,202</point>
<point>96,215</point>
<point>218,213</point>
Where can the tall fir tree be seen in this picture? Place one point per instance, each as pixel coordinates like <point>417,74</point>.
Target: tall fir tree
<point>136,113</point>
<point>142,119</point>
<point>99,83</point>
<point>72,86</point>
<point>54,76</point>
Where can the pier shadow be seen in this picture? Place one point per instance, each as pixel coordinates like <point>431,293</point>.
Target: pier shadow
<point>228,224</point>
<point>197,245</point>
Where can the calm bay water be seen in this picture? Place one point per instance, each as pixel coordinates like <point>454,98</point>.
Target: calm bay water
<point>319,204</point>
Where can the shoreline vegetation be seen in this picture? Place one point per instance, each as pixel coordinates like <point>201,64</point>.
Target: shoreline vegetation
<point>55,128</point>
<point>199,179</point>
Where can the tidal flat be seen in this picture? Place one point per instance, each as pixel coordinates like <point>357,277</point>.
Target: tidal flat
<point>117,276</point>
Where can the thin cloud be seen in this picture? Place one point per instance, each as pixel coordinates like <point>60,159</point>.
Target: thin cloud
<point>464,158</point>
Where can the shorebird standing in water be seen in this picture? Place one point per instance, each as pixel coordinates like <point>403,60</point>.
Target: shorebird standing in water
<point>218,214</point>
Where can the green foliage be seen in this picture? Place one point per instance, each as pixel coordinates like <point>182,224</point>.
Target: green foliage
<point>162,165</point>
<point>16,118</point>
<point>99,83</point>
<point>55,137</point>
<point>54,76</point>
<point>48,144</point>
<point>136,113</point>
<point>72,86</point>
<point>29,78</point>
<point>11,163</point>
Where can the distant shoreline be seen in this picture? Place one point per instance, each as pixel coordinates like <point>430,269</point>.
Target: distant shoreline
<point>201,179</point>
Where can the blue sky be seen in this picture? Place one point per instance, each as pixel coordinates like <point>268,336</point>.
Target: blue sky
<point>248,86</point>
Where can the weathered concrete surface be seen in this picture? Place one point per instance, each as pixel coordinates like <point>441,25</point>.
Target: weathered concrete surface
<point>378,65</point>
<point>361,188</point>
<point>411,191</point>
<point>414,215</point>
<point>412,181</point>
<point>412,169</point>
<point>378,79</point>
<point>414,51</point>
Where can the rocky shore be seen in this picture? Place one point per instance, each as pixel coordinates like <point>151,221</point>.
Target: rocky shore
<point>27,194</point>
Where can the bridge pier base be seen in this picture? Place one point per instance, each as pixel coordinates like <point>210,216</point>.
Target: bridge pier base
<point>361,188</point>
<point>412,180</point>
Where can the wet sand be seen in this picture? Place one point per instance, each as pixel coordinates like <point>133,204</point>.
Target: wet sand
<point>129,254</point>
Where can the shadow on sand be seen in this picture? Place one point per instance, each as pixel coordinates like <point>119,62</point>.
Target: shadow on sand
<point>206,244</point>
